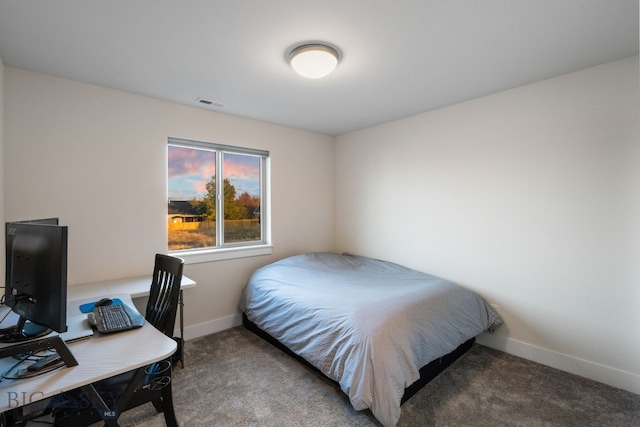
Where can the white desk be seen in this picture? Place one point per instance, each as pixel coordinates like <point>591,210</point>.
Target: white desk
<point>136,287</point>
<point>99,357</point>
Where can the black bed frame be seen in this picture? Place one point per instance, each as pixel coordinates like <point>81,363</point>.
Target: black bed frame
<point>427,372</point>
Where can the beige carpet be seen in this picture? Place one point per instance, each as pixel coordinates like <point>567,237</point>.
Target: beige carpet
<point>234,378</point>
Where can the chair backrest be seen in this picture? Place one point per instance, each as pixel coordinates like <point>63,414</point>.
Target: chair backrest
<point>163,295</point>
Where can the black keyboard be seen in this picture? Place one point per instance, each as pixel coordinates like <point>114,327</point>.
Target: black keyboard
<point>112,318</point>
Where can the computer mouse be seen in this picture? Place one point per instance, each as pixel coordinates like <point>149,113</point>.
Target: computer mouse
<point>104,301</point>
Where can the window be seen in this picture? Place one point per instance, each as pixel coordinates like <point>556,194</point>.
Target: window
<point>216,198</point>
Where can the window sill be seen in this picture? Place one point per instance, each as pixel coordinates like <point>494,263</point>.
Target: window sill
<point>212,255</point>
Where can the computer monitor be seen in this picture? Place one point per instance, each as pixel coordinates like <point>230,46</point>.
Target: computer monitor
<point>36,278</point>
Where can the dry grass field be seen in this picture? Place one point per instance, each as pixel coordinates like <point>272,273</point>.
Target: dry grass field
<point>191,235</point>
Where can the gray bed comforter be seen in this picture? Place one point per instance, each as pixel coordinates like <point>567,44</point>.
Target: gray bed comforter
<point>368,324</point>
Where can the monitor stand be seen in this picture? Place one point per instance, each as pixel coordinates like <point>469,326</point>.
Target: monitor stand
<point>27,337</point>
<point>41,344</point>
<point>23,331</point>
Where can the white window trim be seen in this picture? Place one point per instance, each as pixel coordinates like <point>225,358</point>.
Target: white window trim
<point>197,256</point>
<point>251,249</point>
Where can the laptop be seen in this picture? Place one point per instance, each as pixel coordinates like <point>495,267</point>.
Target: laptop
<point>78,328</point>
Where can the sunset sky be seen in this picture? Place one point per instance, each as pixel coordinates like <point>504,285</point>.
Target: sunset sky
<point>191,169</point>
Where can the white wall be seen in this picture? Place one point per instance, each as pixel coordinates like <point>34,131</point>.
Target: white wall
<point>2,242</point>
<point>529,197</point>
<point>96,158</point>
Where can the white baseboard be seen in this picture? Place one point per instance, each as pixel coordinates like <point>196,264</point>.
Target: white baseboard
<point>584,368</point>
<point>210,327</point>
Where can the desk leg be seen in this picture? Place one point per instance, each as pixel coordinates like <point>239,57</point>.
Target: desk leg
<point>181,304</point>
<point>110,415</point>
<point>105,412</point>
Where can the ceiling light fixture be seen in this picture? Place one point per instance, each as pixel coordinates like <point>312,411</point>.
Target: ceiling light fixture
<point>313,60</point>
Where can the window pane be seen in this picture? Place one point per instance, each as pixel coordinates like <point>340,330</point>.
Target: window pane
<point>215,196</point>
<point>192,198</point>
<point>241,198</point>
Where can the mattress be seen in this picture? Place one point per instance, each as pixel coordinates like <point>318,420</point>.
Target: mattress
<point>368,324</point>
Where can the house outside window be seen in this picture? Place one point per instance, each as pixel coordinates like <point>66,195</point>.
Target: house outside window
<point>217,200</point>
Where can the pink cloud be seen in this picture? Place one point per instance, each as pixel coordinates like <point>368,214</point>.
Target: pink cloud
<point>187,161</point>
<point>243,167</point>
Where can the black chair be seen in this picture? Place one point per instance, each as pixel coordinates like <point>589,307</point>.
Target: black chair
<point>143,385</point>
<point>163,295</point>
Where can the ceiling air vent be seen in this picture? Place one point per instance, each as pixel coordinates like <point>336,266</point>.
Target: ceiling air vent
<point>205,101</point>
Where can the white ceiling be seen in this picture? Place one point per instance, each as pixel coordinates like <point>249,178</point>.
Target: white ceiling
<point>399,57</point>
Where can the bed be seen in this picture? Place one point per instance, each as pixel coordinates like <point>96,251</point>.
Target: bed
<point>367,324</point>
